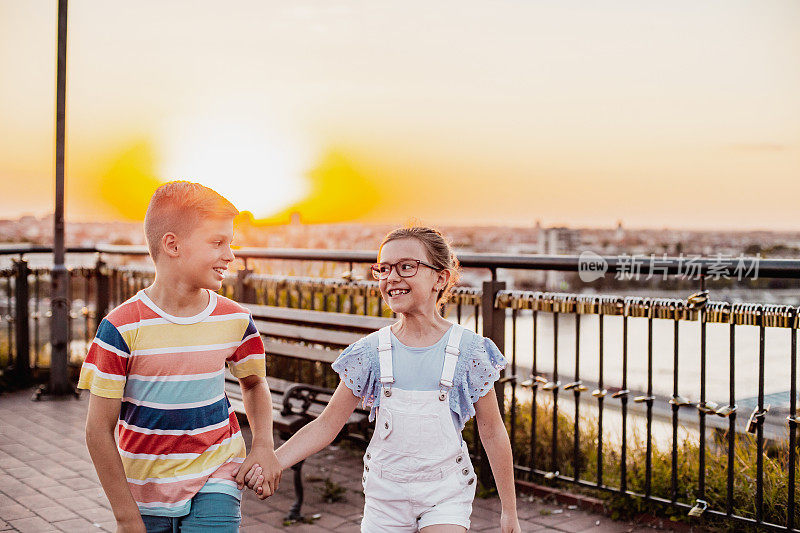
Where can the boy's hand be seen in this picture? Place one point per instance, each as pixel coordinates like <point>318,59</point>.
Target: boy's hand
<point>131,525</point>
<point>265,459</point>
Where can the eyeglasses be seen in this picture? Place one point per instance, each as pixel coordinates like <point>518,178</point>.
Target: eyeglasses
<point>405,268</point>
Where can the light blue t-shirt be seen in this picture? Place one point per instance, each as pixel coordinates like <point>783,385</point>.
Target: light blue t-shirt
<point>478,367</point>
<point>418,368</point>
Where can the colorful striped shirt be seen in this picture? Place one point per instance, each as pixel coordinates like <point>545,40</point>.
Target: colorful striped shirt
<point>178,434</point>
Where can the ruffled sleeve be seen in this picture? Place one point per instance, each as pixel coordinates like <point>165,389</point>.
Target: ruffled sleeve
<point>359,369</point>
<point>478,368</point>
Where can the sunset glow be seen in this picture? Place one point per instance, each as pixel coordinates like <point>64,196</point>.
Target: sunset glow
<point>469,113</point>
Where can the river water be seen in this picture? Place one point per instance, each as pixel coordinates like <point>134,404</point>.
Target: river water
<point>776,367</point>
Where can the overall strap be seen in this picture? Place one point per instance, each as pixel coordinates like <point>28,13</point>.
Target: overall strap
<point>385,356</point>
<point>451,356</point>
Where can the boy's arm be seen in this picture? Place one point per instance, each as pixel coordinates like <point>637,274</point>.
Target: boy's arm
<point>101,422</point>
<point>258,406</point>
<point>494,439</point>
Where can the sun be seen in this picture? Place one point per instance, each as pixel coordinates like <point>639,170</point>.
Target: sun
<point>259,168</point>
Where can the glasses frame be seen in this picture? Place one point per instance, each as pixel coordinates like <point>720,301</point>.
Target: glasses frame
<point>377,276</point>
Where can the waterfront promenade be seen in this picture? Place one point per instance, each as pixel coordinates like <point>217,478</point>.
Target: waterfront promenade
<point>47,483</point>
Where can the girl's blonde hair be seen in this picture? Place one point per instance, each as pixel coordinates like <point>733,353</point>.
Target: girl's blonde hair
<point>440,253</point>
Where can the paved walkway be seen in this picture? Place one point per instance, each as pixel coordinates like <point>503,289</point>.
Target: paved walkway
<point>47,483</point>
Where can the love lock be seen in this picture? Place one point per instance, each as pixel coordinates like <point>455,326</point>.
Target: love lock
<point>756,419</point>
<point>679,401</point>
<point>699,508</point>
<point>552,385</point>
<point>708,407</point>
<point>643,399</point>
<point>726,410</point>
<point>534,381</point>
<point>577,385</point>
<point>697,300</point>
<point>551,475</point>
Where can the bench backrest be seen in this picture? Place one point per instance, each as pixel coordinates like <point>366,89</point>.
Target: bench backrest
<point>311,335</point>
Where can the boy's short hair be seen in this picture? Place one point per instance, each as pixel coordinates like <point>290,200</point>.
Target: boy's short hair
<point>177,207</point>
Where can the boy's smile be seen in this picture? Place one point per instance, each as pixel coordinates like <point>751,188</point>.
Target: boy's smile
<point>206,252</point>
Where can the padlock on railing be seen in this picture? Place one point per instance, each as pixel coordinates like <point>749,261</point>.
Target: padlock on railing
<point>756,419</point>
<point>726,410</point>
<point>707,407</point>
<point>680,401</point>
<point>533,382</point>
<point>578,386</point>
<point>551,385</point>
<point>697,300</point>
<point>698,509</point>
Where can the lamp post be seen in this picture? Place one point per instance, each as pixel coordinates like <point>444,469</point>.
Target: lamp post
<point>59,384</point>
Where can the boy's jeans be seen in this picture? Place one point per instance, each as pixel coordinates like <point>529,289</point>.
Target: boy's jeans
<point>211,512</point>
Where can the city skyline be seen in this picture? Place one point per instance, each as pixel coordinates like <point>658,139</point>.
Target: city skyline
<point>657,115</point>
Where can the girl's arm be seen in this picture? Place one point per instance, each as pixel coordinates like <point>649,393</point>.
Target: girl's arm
<point>320,432</point>
<point>495,441</point>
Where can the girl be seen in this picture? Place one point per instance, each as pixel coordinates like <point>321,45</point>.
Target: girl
<point>423,378</point>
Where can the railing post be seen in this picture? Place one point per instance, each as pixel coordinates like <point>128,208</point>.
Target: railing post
<point>22,367</point>
<point>494,328</point>
<point>243,292</point>
<point>103,287</point>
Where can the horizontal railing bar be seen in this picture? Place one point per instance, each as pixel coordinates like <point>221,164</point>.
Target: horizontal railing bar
<point>694,265</point>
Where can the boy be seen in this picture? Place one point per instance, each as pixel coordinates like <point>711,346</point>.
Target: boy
<point>156,370</point>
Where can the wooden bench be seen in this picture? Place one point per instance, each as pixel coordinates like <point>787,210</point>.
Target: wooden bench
<point>316,338</point>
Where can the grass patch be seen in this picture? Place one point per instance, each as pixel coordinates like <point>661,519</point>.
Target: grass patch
<point>775,468</point>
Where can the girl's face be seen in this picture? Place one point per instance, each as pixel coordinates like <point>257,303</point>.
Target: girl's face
<point>415,294</point>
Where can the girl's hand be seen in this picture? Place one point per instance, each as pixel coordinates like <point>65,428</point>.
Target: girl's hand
<point>254,479</point>
<point>509,523</point>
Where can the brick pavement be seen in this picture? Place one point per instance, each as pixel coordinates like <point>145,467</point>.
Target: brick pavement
<point>47,483</point>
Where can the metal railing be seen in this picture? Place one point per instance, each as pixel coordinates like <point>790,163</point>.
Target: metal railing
<point>623,350</point>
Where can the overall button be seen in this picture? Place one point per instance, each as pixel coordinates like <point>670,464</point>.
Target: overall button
<point>465,471</point>
<point>386,425</point>
<point>471,481</point>
<point>364,479</point>
<point>366,467</point>
<point>368,456</point>
<point>459,459</point>
<point>387,392</point>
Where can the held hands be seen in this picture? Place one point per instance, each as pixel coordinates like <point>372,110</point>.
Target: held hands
<point>254,480</point>
<point>260,471</point>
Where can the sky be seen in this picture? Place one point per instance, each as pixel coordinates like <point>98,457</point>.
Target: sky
<point>680,114</point>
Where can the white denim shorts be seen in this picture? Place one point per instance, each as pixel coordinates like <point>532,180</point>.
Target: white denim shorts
<point>395,505</point>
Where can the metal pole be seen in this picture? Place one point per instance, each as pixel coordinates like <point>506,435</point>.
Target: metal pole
<point>494,327</point>
<point>22,368</point>
<point>59,380</point>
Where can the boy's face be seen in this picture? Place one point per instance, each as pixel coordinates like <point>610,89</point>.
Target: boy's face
<point>205,253</point>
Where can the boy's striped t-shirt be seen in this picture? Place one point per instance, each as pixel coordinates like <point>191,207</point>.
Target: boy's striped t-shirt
<point>178,434</point>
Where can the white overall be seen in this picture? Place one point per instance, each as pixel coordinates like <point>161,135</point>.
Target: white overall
<point>417,470</point>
